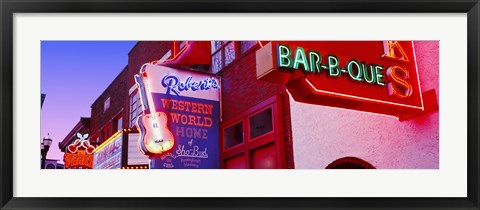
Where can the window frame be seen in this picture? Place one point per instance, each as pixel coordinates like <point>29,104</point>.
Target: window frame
<point>221,50</point>
<point>223,137</point>
<point>276,136</point>
<point>238,54</point>
<point>118,119</point>
<point>106,104</point>
<point>240,47</point>
<point>138,109</point>
<point>105,133</point>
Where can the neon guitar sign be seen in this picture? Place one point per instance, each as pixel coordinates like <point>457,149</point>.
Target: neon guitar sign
<point>79,153</point>
<point>190,101</point>
<point>155,137</point>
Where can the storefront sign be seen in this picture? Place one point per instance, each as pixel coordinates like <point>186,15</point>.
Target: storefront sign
<point>79,159</point>
<point>187,103</point>
<point>174,86</point>
<point>134,157</point>
<point>371,76</point>
<point>109,154</point>
<point>79,153</point>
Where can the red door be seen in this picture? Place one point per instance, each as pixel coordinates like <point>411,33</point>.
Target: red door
<point>253,138</point>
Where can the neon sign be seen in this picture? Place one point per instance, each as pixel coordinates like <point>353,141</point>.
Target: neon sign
<point>109,154</point>
<point>190,105</point>
<point>175,86</point>
<point>79,153</point>
<point>371,76</point>
<point>155,137</point>
<point>81,158</point>
<point>81,142</point>
<point>372,73</point>
<point>358,71</point>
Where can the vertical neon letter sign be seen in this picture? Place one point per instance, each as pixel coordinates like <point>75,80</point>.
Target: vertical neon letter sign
<point>389,48</point>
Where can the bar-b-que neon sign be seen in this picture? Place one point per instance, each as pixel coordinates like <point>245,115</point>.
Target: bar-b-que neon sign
<point>372,76</point>
<point>371,73</point>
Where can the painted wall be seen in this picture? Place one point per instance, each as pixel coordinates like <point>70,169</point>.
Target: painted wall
<point>322,135</point>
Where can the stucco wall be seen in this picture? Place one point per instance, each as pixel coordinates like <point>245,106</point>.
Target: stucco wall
<point>323,134</point>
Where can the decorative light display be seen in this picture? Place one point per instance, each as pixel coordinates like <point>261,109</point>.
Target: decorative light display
<point>81,142</point>
<point>80,153</point>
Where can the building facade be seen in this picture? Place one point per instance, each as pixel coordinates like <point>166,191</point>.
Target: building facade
<point>76,160</point>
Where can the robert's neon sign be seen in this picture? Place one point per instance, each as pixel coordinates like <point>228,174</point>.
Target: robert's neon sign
<point>175,86</point>
<point>396,78</point>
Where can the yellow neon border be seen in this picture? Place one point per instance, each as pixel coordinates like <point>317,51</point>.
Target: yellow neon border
<point>109,140</point>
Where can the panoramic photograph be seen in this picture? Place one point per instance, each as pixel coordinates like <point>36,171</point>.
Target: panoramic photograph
<point>239,104</point>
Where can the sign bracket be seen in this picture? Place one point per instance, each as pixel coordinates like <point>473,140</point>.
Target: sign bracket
<point>430,104</point>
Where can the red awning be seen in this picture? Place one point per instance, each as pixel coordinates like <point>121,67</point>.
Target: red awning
<point>196,55</point>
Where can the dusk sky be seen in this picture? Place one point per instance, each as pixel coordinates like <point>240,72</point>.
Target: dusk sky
<point>73,75</point>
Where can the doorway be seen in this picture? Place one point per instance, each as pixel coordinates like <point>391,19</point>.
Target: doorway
<point>350,163</point>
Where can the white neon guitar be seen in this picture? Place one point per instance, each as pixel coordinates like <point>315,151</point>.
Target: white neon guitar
<point>155,137</point>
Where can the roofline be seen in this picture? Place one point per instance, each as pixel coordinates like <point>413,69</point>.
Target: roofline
<point>65,141</point>
<point>136,44</point>
<point>111,83</point>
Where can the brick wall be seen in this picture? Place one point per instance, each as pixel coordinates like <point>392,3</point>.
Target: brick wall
<point>142,52</point>
<point>118,94</point>
<point>240,87</point>
<point>241,90</point>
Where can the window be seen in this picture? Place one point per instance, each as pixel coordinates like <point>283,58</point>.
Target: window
<point>233,135</point>
<point>223,53</point>
<point>117,123</point>
<point>182,44</point>
<point>254,138</point>
<point>105,132</point>
<point>96,139</point>
<point>246,45</point>
<point>261,123</point>
<point>135,108</point>
<point>106,104</point>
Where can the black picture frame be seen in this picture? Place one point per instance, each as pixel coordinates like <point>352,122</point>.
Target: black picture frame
<point>10,7</point>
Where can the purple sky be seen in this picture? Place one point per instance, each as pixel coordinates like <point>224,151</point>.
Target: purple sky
<point>73,75</point>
